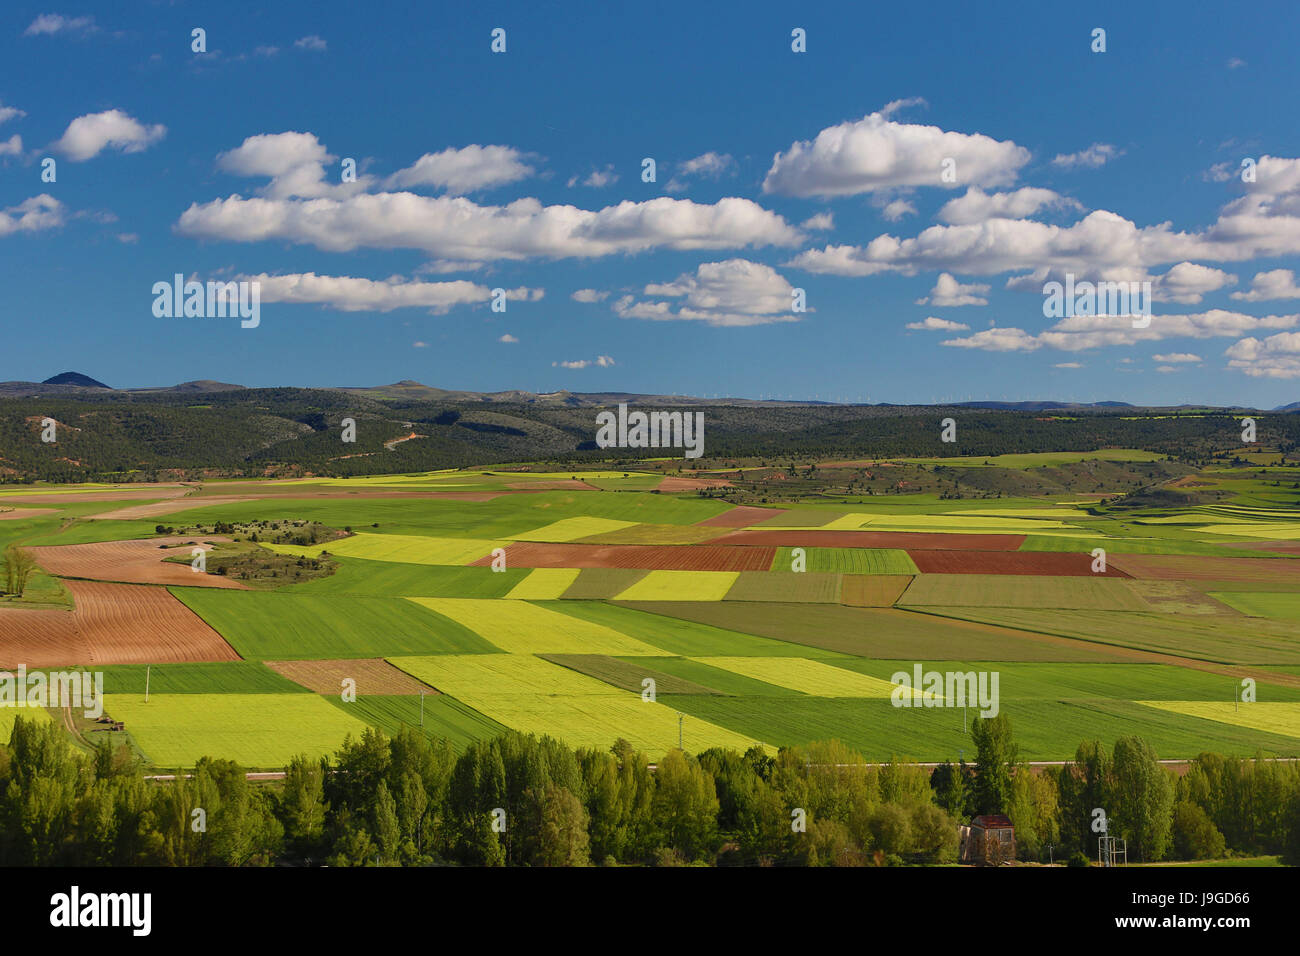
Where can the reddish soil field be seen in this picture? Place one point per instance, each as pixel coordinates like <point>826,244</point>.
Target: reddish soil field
<point>673,483</point>
<point>132,562</point>
<point>741,516</point>
<point>1014,562</point>
<point>1167,567</point>
<point>112,624</point>
<point>372,675</point>
<point>909,540</point>
<point>689,557</point>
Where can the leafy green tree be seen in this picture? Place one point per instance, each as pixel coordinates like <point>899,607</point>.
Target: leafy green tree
<point>1144,797</point>
<point>1195,836</point>
<point>19,566</point>
<point>934,834</point>
<point>1034,810</point>
<point>302,805</point>
<point>953,789</point>
<point>1084,786</point>
<point>995,754</point>
<point>686,805</point>
<point>562,829</point>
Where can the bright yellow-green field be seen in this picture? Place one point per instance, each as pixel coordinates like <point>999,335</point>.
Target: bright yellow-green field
<point>405,548</point>
<point>535,696</point>
<point>1290,531</point>
<point>955,522</point>
<point>808,677</point>
<point>256,730</point>
<point>544,584</point>
<point>571,529</point>
<point>1035,514</point>
<point>518,627</point>
<point>9,714</point>
<point>502,675</point>
<point>681,586</point>
<point>1275,717</point>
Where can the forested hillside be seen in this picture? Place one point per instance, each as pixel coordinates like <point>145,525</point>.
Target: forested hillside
<point>125,436</point>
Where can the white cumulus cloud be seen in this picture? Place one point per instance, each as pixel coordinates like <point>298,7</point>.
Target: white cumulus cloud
<point>876,153</point>
<point>87,136</point>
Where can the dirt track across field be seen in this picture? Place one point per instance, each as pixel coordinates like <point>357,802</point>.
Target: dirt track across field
<point>111,624</point>
<point>131,562</point>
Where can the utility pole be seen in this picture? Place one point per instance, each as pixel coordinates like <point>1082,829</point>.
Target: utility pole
<point>421,710</point>
<point>147,669</point>
<point>680,718</point>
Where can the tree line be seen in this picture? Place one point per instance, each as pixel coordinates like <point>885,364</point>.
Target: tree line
<point>520,800</point>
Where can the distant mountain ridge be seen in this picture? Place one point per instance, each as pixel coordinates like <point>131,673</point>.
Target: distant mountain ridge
<point>74,378</point>
<point>408,390</point>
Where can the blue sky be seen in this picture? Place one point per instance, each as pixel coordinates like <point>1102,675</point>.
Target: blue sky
<point>775,171</point>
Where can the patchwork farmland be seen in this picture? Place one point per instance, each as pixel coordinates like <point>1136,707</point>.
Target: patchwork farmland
<point>601,604</point>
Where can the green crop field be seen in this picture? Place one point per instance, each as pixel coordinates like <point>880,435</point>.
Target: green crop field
<point>848,560</point>
<point>526,692</point>
<point>1285,606</point>
<point>439,716</point>
<point>544,584</point>
<point>240,677</point>
<point>814,678</point>
<point>681,586</point>
<point>1033,591</point>
<point>268,626</point>
<point>256,730</point>
<point>519,627</point>
<point>811,587</point>
<point>778,656</point>
<point>393,579</point>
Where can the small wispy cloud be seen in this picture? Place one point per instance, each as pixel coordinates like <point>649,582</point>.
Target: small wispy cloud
<point>600,361</point>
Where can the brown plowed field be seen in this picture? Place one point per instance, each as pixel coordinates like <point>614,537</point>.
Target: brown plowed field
<point>158,508</point>
<point>908,540</point>
<point>132,562</point>
<point>112,624</point>
<point>68,498</point>
<point>373,676</point>
<point>18,513</point>
<point>689,557</point>
<point>1169,567</point>
<point>1013,562</point>
<point>741,516</point>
